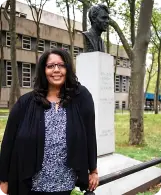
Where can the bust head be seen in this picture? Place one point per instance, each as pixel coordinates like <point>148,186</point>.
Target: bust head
<point>99,16</point>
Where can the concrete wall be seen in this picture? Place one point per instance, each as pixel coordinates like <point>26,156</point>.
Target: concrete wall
<point>47,18</point>
<point>22,55</point>
<point>6,91</point>
<point>28,27</point>
<point>121,51</point>
<point>123,71</point>
<point>121,97</point>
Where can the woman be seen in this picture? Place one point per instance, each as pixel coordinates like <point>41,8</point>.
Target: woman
<point>49,144</point>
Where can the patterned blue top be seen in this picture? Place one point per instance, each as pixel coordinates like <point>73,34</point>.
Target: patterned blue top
<point>55,175</point>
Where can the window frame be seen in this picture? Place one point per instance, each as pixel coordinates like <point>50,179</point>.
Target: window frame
<point>8,64</point>
<point>8,36</point>
<point>124,86</point>
<point>41,46</point>
<point>117,103</point>
<point>124,103</point>
<point>23,64</point>
<point>53,42</point>
<point>117,83</point>
<point>76,53</point>
<point>66,47</point>
<point>24,36</point>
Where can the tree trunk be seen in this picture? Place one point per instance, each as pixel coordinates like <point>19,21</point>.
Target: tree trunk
<point>84,23</point>
<point>71,33</point>
<point>136,95</point>
<point>157,81</point>
<point>123,39</point>
<point>37,43</point>
<point>108,39</point>
<point>2,52</point>
<point>117,55</point>
<point>132,18</point>
<point>150,74</point>
<point>15,87</point>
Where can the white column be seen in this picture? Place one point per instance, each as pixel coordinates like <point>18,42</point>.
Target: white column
<point>95,70</point>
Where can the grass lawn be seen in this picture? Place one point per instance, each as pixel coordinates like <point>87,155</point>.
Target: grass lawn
<point>149,150</point>
<point>4,110</point>
<point>152,146</point>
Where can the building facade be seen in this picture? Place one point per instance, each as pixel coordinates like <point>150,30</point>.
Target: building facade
<point>53,33</point>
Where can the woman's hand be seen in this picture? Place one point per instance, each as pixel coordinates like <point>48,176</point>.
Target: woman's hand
<point>4,187</point>
<point>93,181</point>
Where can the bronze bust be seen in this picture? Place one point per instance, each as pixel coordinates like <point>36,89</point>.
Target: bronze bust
<point>99,18</point>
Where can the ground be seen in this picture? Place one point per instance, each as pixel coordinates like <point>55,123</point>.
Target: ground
<point>149,150</point>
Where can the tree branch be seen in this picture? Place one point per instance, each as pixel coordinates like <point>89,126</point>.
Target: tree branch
<point>58,4</point>
<point>73,28</point>
<point>5,11</point>
<point>122,37</point>
<point>68,15</point>
<point>155,29</point>
<point>31,6</point>
<point>41,9</point>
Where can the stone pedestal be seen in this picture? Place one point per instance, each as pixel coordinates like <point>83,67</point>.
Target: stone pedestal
<point>95,70</point>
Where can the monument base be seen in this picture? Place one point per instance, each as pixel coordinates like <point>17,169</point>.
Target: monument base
<point>129,185</point>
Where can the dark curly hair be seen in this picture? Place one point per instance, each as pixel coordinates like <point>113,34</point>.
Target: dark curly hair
<point>67,91</point>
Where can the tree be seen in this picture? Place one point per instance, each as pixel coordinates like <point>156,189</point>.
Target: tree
<point>36,10</point>
<point>137,56</point>
<point>2,51</point>
<point>151,70</point>
<point>156,39</point>
<point>67,6</point>
<point>11,18</point>
<point>111,5</point>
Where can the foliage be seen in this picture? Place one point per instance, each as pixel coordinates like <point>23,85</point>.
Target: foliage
<point>75,192</point>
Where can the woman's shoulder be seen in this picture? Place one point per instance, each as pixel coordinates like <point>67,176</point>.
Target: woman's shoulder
<point>84,94</point>
<point>26,97</point>
<point>84,91</point>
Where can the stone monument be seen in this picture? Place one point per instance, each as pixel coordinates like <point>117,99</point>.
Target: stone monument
<point>99,65</point>
<point>99,18</point>
<point>95,70</point>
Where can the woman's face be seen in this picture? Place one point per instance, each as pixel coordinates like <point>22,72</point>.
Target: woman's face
<point>55,71</point>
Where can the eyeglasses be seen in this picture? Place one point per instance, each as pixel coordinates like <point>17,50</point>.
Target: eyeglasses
<point>53,66</point>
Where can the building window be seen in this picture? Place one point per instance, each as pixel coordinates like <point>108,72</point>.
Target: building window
<point>124,84</point>
<point>117,105</point>
<point>117,61</point>
<point>117,83</point>
<point>26,42</point>
<point>53,45</point>
<point>8,39</point>
<point>66,47</point>
<point>22,15</point>
<point>41,46</point>
<point>123,104</point>
<point>8,73</point>
<point>76,51</point>
<point>26,75</point>
<point>125,63</point>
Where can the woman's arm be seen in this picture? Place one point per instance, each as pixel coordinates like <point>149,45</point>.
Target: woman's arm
<point>8,141</point>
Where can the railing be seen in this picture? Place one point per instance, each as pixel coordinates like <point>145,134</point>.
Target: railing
<point>119,174</point>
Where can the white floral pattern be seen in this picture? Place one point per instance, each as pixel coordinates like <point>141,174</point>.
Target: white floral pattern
<point>55,175</point>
